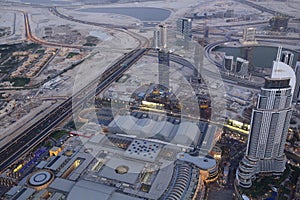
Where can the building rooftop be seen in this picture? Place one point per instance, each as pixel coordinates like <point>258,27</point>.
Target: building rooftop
<point>119,196</point>
<point>184,133</point>
<point>282,71</point>
<point>187,134</point>
<point>143,150</point>
<point>202,162</point>
<point>20,193</point>
<point>62,185</point>
<point>130,175</point>
<point>90,190</point>
<point>56,163</point>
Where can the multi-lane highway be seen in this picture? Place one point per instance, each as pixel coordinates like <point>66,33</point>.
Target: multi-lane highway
<point>121,28</point>
<point>206,72</point>
<point>42,128</point>
<point>263,9</point>
<point>32,38</point>
<point>260,38</point>
<point>143,42</point>
<point>54,11</point>
<point>226,77</point>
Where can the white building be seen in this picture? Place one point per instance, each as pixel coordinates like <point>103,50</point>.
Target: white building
<point>297,84</point>
<point>249,36</point>
<point>269,126</point>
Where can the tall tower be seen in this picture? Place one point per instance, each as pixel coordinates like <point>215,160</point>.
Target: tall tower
<point>198,61</point>
<point>184,26</point>
<point>160,37</point>
<point>249,34</point>
<point>163,58</point>
<point>206,31</point>
<point>241,67</point>
<point>287,57</point>
<point>297,85</point>
<point>163,68</point>
<point>156,39</point>
<point>163,31</point>
<point>269,126</point>
<point>228,63</point>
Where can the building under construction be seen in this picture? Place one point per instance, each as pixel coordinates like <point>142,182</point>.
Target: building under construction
<point>279,23</point>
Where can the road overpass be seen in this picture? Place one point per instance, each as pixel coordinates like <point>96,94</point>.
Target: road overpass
<point>36,133</point>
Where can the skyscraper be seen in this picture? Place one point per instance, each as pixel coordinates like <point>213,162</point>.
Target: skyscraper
<point>198,60</point>
<point>287,57</point>
<point>228,63</point>
<point>184,26</point>
<point>156,39</point>
<point>206,31</point>
<point>163,68</point>
<point>249,36</point>
<point>160,43</point>
<point>241,67</point>
<point>160,37</point>
<point>163,33</point>
<point>269,126</point>
<point>238,67</point>
<point>296,96</point>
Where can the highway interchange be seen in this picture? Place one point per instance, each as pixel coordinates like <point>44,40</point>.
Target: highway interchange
<point>42,128</point>
<point>36,133</point>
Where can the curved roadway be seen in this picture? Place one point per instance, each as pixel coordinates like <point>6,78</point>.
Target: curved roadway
<point>36,133</point>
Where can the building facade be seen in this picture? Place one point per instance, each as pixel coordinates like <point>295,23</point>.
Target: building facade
<point>160,44</point>
<point>228,63</point>
<point>287,57</point>
<point>241,67</point>
<point>249,35</point>
<point>296,96</point>
<point>160,37</point>
<point>269,128</point>
<point>184,27</point>
<point>163,68</point>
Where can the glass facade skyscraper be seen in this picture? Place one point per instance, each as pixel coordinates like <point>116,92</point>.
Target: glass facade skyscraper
<point>184,26</point>
<point>269,128</point>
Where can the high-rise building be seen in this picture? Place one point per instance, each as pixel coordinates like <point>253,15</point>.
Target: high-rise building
<point>238,67</point>
<point>160,43</point>
<point>241,67</point>
<point>279,23</point>
<point>160,37</point>
<point>283,70</point>
<point>184,27</point>
<point>163,68</point>
<point>228,63</point>
<point>198,59</point>
<point>296,96</point>
<point>163,33</point>
<point>206,31</point>
<point>269,127</point>
<point>249,36</point>
<point>156,39</point>
<point>287,58</point>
